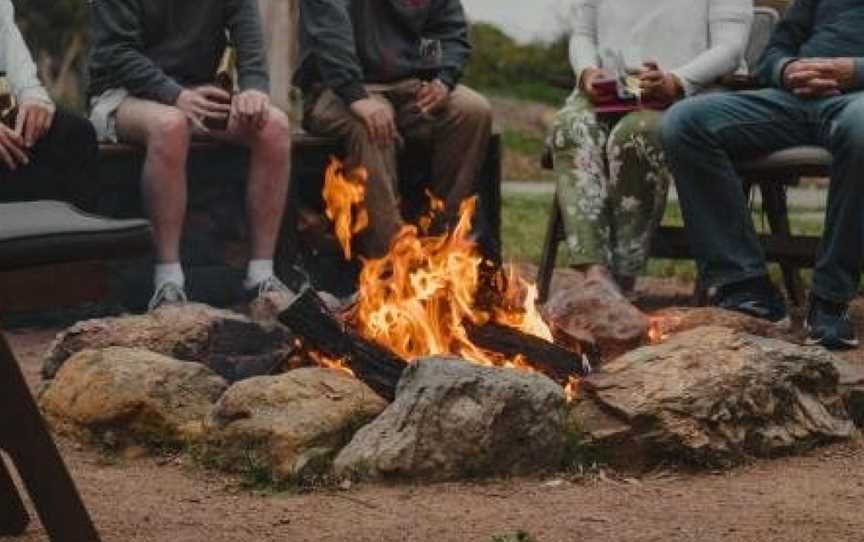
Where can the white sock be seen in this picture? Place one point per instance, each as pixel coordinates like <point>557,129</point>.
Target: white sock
<point>258,272</point>
<point>169,272</point>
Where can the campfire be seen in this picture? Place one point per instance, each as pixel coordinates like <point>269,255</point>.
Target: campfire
<point>431,295</point>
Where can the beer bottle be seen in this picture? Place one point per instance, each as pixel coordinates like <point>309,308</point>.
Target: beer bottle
<point>8,109</point>
<point>225,80</point>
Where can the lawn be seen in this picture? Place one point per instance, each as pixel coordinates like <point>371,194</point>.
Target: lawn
<point>524,230</point>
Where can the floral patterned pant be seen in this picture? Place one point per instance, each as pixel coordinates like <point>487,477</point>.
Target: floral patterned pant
<point>612,185</point>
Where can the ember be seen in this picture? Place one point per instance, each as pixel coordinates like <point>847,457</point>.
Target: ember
<point>659,326</point>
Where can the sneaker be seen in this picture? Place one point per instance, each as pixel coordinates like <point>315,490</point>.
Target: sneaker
<point>758,298</point>
<point>272,287</point>
<point>828,325</point>
<point>170,293</point>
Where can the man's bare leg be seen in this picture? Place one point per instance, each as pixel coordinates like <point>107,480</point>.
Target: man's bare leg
<point>267,191</point>
<point>164,131</point>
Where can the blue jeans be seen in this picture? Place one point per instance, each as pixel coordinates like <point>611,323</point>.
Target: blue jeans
<point>705,135</point>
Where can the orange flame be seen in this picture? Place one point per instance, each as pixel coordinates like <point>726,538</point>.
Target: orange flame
<point>344,195</point>
<point>659,326</point>
<point>329,363</point>
<point>416,299</point>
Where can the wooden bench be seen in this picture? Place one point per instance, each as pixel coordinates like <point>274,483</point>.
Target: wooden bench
<point>773,174</point>
<point>209,161</point>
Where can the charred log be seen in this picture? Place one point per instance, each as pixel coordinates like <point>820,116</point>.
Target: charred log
<point>556,362</point>
<point>378,367</point>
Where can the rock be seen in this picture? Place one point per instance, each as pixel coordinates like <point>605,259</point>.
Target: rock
<point>715,396</point>
<point>851,382</point>
<point>290,424</point>
<point>596,307</point>
<point>121,397</point>
<point>679,319</point>
<point>452,419</point>
<point>230,344</point>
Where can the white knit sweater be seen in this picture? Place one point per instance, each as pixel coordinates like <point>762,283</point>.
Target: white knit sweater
<point>15,59</point>
<point>697,40</point>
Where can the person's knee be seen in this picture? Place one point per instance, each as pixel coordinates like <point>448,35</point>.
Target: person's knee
<point>848,130</point>
<point>168,136</point>
<point>275,137</point>
<point>474,108</point>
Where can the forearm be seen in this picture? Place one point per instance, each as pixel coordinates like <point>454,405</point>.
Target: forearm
<point>244,23</point>
<point>329,32</point>
<point>785,43</point>
<point>583,42</point>
<point>729,30</point>
<point>18,63</point>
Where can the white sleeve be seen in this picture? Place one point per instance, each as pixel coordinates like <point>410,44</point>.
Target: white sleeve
<point>729,23</point>
<point>16,59</point>
<point>583,42</point>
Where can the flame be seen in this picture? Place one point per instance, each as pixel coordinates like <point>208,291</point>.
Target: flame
<point>659,326</point>
<point>329,363</point>
<point>343,196</point>
<point>572,389</point>
<point>417,299</point>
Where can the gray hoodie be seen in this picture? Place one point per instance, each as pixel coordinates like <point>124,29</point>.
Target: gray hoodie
<point>345,43</point>
<point>154,48</point>
<point>16,61</point>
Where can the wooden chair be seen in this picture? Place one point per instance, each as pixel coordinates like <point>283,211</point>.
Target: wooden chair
<point>772,174</point>
<point>34,234</point>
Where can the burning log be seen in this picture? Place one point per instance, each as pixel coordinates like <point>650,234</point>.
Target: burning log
<point>554,361</point>
<point>377,367</point>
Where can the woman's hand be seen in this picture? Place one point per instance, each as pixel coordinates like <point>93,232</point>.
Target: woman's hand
<point>596,95</point>
<point>658,85</point>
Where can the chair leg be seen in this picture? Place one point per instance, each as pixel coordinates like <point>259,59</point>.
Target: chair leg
<point>25,437</point>
<point>554,233</point>
<point>13,515</point>
<point>777,210</point>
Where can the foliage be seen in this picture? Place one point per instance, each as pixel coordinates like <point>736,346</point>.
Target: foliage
<point>537,71</point>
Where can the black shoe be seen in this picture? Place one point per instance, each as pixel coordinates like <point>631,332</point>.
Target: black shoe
<point>828,325</point>
<point>755,297</point>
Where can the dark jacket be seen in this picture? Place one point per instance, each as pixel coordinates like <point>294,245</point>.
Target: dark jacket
<point>345,43</point>
<point>816,28</point>
<point>154,48</point>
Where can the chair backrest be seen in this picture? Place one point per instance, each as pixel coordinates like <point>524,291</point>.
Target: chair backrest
<point>764,21</point>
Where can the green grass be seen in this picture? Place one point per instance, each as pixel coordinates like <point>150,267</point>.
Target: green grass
<point>524,222</point>
<point>521,142</point>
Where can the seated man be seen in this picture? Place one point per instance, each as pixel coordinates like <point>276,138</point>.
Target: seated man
<point>151,67</point>
<point>44,153</point>
<point>815,66</point>
<point>378,71</point>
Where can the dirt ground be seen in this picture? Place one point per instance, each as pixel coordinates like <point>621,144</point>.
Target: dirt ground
<point>810,498</point>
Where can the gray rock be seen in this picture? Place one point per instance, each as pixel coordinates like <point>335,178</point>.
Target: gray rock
<point>292,424</point>
<point>715,396</point>
<point>122,396</point>
<point>452,419</point>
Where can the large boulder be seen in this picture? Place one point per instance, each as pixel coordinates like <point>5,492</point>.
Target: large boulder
<point>229,343</point>
<point>121,396</point>
<point>452,419</point>
<point>292,424</point>
<point>594,310</point>
<point>714,396</point>
<point>679,319</point>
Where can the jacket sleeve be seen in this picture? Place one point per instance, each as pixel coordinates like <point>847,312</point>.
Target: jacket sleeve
<point>17,61</point>
<point>583,41</point>
<point>329,32</point>
<point>790,34</point>
<point>729,23</point>
<point>448,25</point>
<point>244,24</point>
<point>117,49</point>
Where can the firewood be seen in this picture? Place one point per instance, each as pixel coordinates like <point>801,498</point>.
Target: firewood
<point>556,362</point>
<point>376,366</point>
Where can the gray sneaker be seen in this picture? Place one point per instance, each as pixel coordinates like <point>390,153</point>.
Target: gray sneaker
<point>170,293</point>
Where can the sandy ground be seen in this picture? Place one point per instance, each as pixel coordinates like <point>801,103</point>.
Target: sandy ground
<point>816,497</point>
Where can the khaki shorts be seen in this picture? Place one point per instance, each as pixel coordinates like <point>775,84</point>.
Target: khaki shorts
<point>103,113</point>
